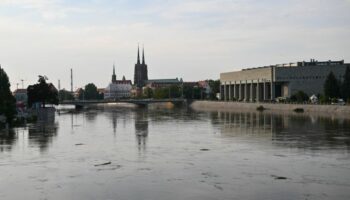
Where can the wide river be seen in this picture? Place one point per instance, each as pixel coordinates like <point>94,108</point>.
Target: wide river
<point>166,153</point>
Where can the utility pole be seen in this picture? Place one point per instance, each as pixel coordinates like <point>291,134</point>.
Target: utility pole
<point>59,85</point>
<point>22,83</point>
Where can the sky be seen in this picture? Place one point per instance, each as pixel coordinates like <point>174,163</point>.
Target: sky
<point>189,39</point>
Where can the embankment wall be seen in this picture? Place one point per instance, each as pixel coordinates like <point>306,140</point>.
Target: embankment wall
<point>274,107</point>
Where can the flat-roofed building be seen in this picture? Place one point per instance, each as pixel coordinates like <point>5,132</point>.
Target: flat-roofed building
<point>282,80</point>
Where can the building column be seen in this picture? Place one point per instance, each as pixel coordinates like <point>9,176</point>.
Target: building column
<point>225,92</point>
<point>234,91</point>
<point>265,92</point>
<point>257,92</point>
<point>272,90</point>
<point>221,92</point>
<point>229,91</point>
<point>240,90</point>
<point>251,91</point>
<point>246,90</point>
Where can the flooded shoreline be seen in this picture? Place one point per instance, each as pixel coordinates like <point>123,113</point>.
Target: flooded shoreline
<point>333,111</point>
<point>163,152</point>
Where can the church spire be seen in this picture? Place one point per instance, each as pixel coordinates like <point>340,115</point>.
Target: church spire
<point>143,55</point>
<point>138,54</point>
<point>114,77</point>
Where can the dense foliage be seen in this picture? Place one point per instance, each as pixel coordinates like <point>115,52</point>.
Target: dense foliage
<point>345,88</point>
<point>89,92</point>
<point>7,101</point>
<point>215,88</point>
<point>299,97</point>
<point>331,87</point>
<point>193,92</point>
<point>42,92</point>
<point>64,95</point>
<point>167,92</point>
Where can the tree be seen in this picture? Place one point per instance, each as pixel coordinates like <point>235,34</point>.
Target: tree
<point>331,87</point>
<point>148,92</point>
<point>7,101</point>
<point>42,92</point>
<point>299,97</point>
<point>161,93</point>
<point>175,91</point>
<point>345,89</point>
<point>214,87</point>
<point>90,92</point>
<point>65,95</point>
<point>81,94</point>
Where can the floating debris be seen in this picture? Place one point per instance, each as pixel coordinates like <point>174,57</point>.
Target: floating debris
<point>79,144</point>
<point>279,177</point>
<point>298,110</point>
<point>205,149</point>
<point>260,108</point>
<point>107,163</point>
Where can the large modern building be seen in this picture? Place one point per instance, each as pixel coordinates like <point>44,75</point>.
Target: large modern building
<point>118,88</point>
<point>141,72</point>
<point>282,80</point>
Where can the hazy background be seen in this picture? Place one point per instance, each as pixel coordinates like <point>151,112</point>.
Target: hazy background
<point>192,39</point>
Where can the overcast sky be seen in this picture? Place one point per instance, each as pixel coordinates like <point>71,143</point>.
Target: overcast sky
<point>189,39</point>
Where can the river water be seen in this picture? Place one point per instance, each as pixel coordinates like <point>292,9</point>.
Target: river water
<point>166,153</point>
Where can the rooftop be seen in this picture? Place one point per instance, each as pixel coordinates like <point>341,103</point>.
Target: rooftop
<point>312,62</point>
<point>174,80</point>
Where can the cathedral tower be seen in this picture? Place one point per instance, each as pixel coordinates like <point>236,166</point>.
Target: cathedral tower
<point>141,72</point>
<point>114,76</point>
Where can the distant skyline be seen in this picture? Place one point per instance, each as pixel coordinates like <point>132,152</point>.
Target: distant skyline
<point>189,39</point>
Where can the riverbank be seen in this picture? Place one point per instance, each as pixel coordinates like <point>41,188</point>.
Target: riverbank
<point>329,110</point>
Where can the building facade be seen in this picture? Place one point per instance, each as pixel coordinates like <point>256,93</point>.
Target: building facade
<point>118,89</point>
<point>161,83</point>
<point>141,71</point>
<point>282,80</point>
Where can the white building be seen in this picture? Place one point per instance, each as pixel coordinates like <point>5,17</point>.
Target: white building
<point>118,89</point>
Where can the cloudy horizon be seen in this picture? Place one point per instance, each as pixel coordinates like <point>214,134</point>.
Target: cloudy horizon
<point>192,39</point>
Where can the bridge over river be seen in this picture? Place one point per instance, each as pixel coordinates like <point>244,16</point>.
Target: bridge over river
<point>140,102</point>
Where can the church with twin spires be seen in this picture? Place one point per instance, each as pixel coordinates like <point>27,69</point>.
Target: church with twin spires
<point>118,89</point>
<point>141,72</point>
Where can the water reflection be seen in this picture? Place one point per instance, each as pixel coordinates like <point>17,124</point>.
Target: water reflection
<point>141,128</point>
<point>41,134</point>
<point>289,130</point>
<point>8,139</point>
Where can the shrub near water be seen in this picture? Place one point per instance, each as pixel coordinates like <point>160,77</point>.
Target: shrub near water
<point>260,108</point>
<point>299,110</point>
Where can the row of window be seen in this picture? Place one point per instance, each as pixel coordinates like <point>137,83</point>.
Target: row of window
<point>304,77</point>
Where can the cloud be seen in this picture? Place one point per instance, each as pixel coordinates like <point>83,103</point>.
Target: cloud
<point>190,39</point>
<point>47,9</point>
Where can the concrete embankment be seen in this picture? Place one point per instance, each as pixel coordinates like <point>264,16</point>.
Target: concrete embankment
<point>272,107</point>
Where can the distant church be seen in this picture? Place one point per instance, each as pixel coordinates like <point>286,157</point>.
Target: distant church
<point>141,72</point>
<point>118,88</point>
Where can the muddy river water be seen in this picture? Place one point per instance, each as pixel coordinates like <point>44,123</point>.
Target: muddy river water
<point>161,153</point>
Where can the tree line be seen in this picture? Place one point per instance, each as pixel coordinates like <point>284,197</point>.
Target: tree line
<point>334,88</point>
